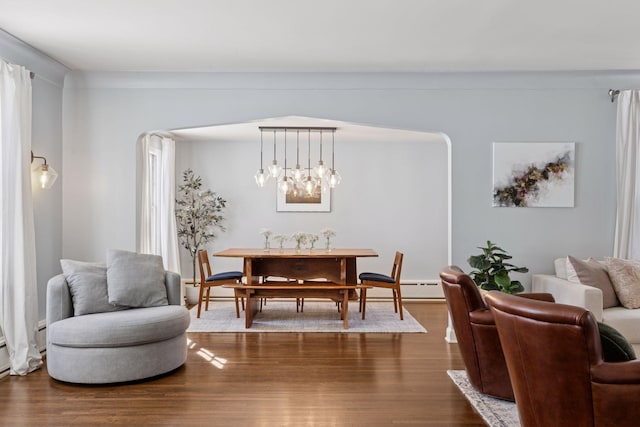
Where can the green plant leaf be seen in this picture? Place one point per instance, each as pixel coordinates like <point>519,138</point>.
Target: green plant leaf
<point>502,279</point>
<point>490,287</point>
<point>491,272</point>
<point>516,287</point>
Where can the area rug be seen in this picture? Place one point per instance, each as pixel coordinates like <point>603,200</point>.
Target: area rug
<point>318,316</point>
<point>495,412</point>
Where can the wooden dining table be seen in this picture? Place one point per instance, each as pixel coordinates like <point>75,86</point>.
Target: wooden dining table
<point>336,268</point>
<point>336,265</point>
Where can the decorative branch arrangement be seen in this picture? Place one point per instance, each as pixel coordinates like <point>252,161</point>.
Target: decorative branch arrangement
<point>300,238</point>
<point>198,215</point>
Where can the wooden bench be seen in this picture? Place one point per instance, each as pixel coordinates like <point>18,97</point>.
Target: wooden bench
<point>334,291</point>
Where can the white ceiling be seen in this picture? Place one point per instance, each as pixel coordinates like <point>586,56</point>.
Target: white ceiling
<point>330,35</point>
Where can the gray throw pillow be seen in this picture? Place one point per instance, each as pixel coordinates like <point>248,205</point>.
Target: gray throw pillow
<point>135,280</point>
<point>88,286</point>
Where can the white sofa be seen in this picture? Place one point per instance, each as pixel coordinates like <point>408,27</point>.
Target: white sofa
<point>626,321</point>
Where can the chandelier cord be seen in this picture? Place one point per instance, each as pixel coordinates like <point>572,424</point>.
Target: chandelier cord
<point>261,144</point>
<point>309,153</point>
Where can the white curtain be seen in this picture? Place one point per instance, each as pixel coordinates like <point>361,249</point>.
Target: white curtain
<point>158,232</point>
<point>18,287</point>
<point>627,234</point>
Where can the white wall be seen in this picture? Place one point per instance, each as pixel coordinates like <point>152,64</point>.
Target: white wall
<point>105,113</point>
<point>366,210</point>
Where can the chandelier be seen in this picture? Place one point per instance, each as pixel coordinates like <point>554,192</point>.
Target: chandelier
<point>299,181</point>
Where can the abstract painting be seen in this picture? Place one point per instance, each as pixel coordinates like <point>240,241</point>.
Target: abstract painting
<point>533,174</point>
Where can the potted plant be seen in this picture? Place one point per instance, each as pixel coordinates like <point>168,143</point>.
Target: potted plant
<point>492,272</point>
<point>198,216</point>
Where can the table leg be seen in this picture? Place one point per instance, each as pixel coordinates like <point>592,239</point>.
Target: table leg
<point>343,271</point>
<point>363,301</point>
<point>345,308</point>
<point>251,309</point>
<point>247,270</point>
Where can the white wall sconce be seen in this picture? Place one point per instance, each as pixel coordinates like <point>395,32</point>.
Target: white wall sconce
<point>47,174</point>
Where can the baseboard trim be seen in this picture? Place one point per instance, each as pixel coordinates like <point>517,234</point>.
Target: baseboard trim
<point>4,352</point>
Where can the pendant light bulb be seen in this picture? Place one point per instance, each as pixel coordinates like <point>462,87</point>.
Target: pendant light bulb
<point>285,185</point>
<point>261,178</point>
<point>309,186</point>
<point>274,167</point>
<point>320,169</point>
<point>334,178</point>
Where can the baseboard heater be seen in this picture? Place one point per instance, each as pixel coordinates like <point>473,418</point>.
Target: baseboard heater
<point>411,289</point>
<point>4,352</point>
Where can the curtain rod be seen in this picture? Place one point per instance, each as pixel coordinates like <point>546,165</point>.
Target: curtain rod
<point>613,93</point>
<point>31,73</point>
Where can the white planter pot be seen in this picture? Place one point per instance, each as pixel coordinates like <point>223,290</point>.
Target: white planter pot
<point>192,293</point>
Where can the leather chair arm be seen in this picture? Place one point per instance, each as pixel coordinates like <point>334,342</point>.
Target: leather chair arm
<point>481,316</point>
<point>616,372</point>
<point>540,296</point>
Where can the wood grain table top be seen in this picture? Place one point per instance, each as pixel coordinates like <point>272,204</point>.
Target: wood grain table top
<point>293,253</point>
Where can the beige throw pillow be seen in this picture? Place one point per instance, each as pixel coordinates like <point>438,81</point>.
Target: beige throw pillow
<point>592,273</point>
<point>625,276</point>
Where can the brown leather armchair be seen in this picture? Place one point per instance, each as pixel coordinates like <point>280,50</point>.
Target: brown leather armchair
<point>554,356</point>
<point>476,333</point>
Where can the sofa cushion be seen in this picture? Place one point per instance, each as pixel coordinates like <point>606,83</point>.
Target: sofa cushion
<point>88,287</point>
<point>625,276</point>
<point>615,348</point>
<point>135,280</point>
<point>560,265</point>
<point>119,329</point>
<point>625,321</point>
<point>592,273</point>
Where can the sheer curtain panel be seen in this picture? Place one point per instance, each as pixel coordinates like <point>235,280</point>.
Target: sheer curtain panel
<point>627,234</point>
<point>157,233</point>
<point>18,287</point>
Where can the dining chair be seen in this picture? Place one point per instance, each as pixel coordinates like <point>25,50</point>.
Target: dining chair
<point>378,280</point>
<point>209,280</point>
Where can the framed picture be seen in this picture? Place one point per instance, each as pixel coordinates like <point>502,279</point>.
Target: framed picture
<point>319,201</point>
<point>533,174</point>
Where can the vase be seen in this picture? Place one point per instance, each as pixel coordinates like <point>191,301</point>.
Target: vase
<point>192,293</point>
<point>267,245</point>
<point>327,246</point>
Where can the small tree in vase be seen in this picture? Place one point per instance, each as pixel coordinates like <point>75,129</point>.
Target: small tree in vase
<point>198,215</point>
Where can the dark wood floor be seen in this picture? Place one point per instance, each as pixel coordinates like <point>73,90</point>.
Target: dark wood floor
<point>269,380</point>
